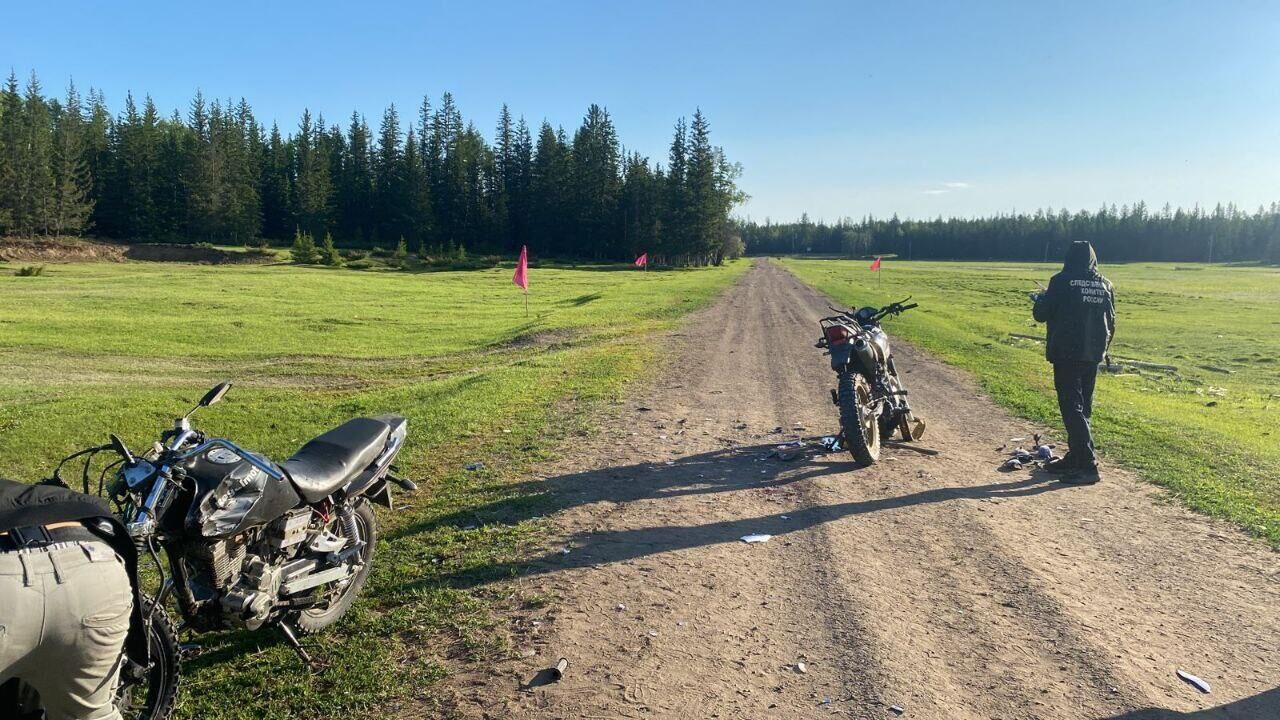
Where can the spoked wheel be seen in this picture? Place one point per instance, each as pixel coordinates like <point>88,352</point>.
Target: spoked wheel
<point>859,423</point>
<point>152,693</point>
<point>333,601</point>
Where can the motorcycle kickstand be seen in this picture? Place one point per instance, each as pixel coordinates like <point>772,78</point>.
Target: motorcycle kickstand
<point>294,643</point>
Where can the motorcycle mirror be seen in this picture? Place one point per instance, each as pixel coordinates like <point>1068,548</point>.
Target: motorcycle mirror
<point>121,449</point>
<point>215,394</point>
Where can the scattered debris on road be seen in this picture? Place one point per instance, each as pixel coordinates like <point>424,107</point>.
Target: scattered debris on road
<point>1195,682</point>
<point>756,538</point>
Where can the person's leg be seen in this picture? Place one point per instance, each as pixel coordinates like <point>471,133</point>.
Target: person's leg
<point>1088,373</point>
<point>1066,381</point>
<point>87,619</point>
<point>1088,379</point>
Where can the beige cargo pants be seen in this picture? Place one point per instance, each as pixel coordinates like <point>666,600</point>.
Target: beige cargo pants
<point>64,615</point>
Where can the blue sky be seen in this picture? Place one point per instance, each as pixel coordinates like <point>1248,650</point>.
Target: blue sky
<point>833,108</point>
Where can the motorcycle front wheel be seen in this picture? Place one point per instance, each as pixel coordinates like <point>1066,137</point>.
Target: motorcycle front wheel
<point>336,601</point>
<point>153,694</point>
<point>858,421</point>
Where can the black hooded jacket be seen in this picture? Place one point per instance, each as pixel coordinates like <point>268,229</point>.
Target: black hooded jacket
<point>1080,309</point>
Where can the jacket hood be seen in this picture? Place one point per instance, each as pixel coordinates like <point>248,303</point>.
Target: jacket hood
<point>1081,259</point>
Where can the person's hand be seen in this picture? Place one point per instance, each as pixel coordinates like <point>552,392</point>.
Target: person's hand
<point>1035,296</point>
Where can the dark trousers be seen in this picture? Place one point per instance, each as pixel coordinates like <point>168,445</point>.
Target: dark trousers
<point>1074,382</point>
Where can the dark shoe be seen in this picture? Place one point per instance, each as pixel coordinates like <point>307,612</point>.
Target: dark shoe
<point>1062,465</point>
<point>1082,476</point>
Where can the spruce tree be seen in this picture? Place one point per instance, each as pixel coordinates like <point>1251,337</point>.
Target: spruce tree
<point>328,253</point>
<point>417,191</point>
<point>355,185</point>
<point>274,187</point>
<point>596,183</point>
<point>303,250</point>
<point>98,155</point>
<point>389,200</point>
<point>73,203</point>
<point>36,187</point>
<point>312,172</point>
<point>11,154</point>
<point>703,205</point>
<point>401,256</point>
<point>676,239</point>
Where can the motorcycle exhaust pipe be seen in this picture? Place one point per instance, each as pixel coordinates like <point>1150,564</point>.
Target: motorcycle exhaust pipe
<point>865,354</point>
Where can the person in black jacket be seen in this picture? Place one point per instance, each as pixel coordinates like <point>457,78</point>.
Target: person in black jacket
<point>1079,309</point>
<point>69,599</point>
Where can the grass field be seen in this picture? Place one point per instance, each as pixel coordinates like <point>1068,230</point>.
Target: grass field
<point>1209,431</point>
<point>87,349</point>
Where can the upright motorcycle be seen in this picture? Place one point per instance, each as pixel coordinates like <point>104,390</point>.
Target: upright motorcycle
<point>871,397</point>
<point>249,543</point>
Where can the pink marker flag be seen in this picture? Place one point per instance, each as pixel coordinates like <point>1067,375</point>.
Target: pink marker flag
<point>643,260</point>
<point>521,278</point>
<point>875,265</point>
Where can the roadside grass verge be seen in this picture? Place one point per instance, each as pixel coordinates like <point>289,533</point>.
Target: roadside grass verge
<point>98,348</point>
<point>1208,431</point>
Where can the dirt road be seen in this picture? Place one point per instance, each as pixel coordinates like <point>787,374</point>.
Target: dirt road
<point>929,582</point>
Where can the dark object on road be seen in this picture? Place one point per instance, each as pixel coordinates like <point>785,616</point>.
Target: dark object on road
<point>547,676</point>
<point>872,399</point>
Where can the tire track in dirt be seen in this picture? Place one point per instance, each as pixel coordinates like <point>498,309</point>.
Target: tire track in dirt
<point>928,581</point>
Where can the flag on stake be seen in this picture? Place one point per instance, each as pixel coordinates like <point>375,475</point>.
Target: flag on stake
<point>521,278</point>
<point>643,261</point>
<point>876,265</point>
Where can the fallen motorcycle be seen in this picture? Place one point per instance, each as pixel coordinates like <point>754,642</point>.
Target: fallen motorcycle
<point>871,397</point>
<point>249,543</point>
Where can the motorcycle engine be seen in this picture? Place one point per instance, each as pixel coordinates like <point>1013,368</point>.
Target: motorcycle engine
<point>243,573</point>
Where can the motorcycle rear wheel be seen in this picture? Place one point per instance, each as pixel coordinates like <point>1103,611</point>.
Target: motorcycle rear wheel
<point>336,604</point>
<point>859,424</point>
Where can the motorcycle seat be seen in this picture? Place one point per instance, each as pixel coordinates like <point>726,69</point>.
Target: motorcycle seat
<point>335,458</point>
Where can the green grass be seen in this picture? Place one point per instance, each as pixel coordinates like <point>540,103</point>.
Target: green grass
<point>1209,432</point>
<point>88,349</point>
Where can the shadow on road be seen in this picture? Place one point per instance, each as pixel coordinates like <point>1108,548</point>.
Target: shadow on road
<point>728,470</point>
<point>1262,706</point>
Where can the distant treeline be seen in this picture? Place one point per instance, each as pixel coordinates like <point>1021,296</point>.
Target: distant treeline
<point>1126,234</point>
<point>69,167</point>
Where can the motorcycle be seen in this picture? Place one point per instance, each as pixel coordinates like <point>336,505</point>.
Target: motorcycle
<point>871,396</point>
<point>249,543</point>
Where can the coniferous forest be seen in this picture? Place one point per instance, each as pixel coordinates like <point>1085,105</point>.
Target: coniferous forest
<point>68,166</point>
<point>1125,234</point>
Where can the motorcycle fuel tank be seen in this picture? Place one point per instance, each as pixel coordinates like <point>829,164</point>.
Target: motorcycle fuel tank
<point>232,495</point>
